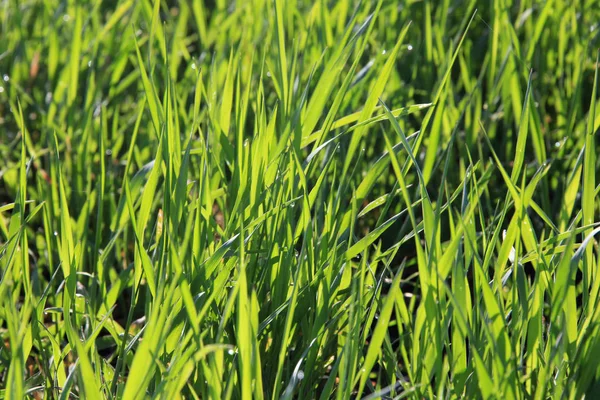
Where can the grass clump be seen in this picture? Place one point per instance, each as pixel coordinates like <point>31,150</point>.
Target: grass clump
<point>293,199</point>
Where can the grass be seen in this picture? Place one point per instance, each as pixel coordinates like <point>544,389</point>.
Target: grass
<point>293,199</point>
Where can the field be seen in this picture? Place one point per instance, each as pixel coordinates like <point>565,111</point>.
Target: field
<point>289,199</point>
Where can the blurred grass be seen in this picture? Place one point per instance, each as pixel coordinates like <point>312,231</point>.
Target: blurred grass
<point>290,199</point>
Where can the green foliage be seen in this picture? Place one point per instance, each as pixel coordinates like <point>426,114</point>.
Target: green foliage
<point>294,199</point>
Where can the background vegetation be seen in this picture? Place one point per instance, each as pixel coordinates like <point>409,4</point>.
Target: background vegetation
<point>299,199</point>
